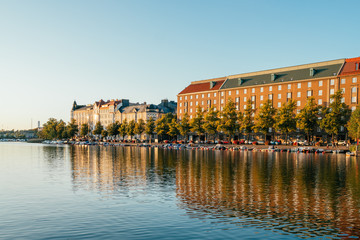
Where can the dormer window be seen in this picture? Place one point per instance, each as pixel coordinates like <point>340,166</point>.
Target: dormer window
<point>356,66</point>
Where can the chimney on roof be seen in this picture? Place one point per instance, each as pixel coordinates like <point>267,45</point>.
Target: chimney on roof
<point>273,77</point>
<point>312,72</point>
<point>212,84</point>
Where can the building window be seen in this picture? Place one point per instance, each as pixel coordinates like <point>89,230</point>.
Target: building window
<point>354,80</point>
<point>180,111</point>
<point>320,83</point>
<point>229,93</point>
<point>191,96</point>
<point>279,104</point>
<point>262,89</point>
<point>237,107</point>
<point>279,87</point>
<point>298,111</point>
<point>332,91</point>
<point>244,99</point>
<point>253,90</point>
<point>245,91</point>
<point>245,106</point>
<point>320,92</point>
<point>253,98</point>
<point>343,90</point>
<point>215,94</point>
<point>191,110</point>
<point>356,66</point>
<point>222,101</point>
<point>298,103</point>
<point>237,92</point>
<point>353,89</point>
<point>197,103</point>
<point>215,101</point>
<point>214,108</point>
<point>202,95</point>
<point>353,99</point>
<point>309,84</point>
<point>253,106</point>
<point>309,93</point>
<point>270,88</point>
<point>190,104</point>
<point>261,104</point>
<point>320,101</point>
<point>289,86</point>
<point>270,96</point>
<point>208,95</point>
<point>288,95</point>
<point>279,96</point>
<point>343,81</point>
<point>343,100</point>
<point>185,97</point>
<point>261,97</point>
<point>299,94</point>
<point>353,108</point>
<point>237,99</point>
<point>180,104</point>
<point>299,85</point>
<point>180,98</point>
<point>332,82</point>
<point>202,102</point>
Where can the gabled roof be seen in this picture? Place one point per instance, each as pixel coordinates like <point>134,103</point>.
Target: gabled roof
<point>205,85</point>
<point>350,66</point>
<point>290,74</point>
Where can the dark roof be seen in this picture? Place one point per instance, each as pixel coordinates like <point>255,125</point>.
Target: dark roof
<point>282,76</point>
<point>349,67</point>
<point>202,86</point>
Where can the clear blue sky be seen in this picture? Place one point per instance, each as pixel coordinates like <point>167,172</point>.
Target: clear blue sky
<point>52,52</point>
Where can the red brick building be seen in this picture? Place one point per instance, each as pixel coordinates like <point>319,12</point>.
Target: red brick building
<point>319,80</point>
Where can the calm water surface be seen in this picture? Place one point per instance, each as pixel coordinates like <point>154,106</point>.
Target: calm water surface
<point>77,192</point>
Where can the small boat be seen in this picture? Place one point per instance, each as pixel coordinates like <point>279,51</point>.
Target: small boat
<point>348,154</point>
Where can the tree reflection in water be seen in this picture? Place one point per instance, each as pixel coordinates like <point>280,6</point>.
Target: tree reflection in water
<point>303,194</point>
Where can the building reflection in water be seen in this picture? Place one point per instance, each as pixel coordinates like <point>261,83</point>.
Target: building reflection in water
<point>303,194</point>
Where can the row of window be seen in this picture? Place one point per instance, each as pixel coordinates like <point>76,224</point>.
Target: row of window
<point>299,85</point>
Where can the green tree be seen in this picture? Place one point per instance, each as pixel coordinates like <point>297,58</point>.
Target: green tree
<point>265,118</point>
<point>131,129</point>
<point>98,128</point>
<point>72,128</point>
<point>197,122</point>
<point>61,130</point>
<point>113,129</point>
<point>161,127</point>
<point>123,128</point>
<point>104,133</point>
<point>336,115</point>
<point>173,129</point>
<point>211,122</point>
<point>184,126</point>
<point>353,125</point>
<point>150,127</point>
<point>49,130</point>
<point>307,119</point>
<point>139,127</point>
<point>84,131</point>
<point>247,120</point>
<point>285,118</point>
<point>228,119</point>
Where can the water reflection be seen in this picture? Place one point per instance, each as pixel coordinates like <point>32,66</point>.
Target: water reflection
<point>304,195</point>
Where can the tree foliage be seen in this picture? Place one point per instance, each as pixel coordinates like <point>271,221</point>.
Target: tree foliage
<point>131,129</point>
<point>265,118</point>
<point>336,115</point>
<point>228,122</point>
<point>98,128</point>
<point>247,122</point>
<point>85,129</point>
<point>184,125</point>
<point>353,125</point>
<point>307,119</point>
<point>139,127</point>
<point>211,121</point>
<point>173,128</point>
<point>123,128</point>
<point>285,118</point>
<point>113,129</point>
<point>197,122</point>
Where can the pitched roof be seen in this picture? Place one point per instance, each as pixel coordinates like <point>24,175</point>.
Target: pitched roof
<point>350,66</point>
<point>281,75</point>
<point>202,86</point>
